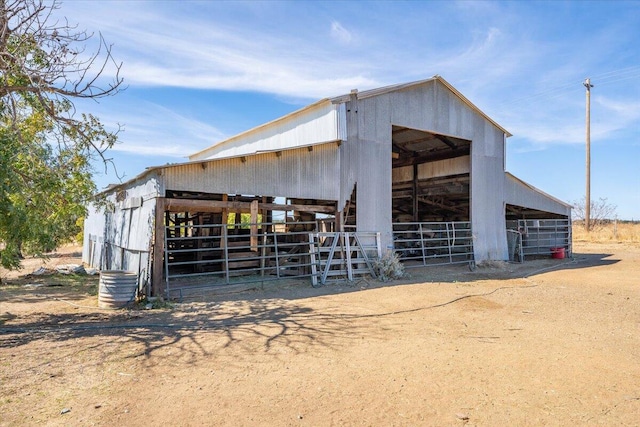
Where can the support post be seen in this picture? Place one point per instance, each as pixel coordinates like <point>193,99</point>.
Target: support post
<point>587,210</point>
<point>254,226</point>
<point>158,248</point>
<point>414,193</point>
<point>225,218</point>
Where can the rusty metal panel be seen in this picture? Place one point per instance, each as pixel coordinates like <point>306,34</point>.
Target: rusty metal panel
<point>315,124</point>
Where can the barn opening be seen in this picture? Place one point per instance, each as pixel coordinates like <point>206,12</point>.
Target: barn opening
<point>535,233</point>
<point>430,197</point>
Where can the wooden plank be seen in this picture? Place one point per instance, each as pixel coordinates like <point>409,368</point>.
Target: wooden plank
<point>244,264</point>
<point>424,158</point>
<point>190,205</point>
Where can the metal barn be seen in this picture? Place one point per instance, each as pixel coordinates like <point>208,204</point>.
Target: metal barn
<point>322,192</point>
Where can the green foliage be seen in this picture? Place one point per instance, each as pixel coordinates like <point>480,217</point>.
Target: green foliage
<point>155,303</point>
<point>46,149</point>
<point>245,219</point>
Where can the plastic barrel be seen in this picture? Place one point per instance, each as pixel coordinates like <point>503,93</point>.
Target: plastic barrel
<point>117,288</point>
<point>557,253</point>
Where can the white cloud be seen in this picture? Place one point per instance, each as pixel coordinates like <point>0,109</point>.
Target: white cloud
<point>339,33</point>
<point>151,129</point>
<point>626,111</point>
<point>511,71</point>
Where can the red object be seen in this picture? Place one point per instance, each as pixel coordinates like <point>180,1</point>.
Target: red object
<point>557,253</point>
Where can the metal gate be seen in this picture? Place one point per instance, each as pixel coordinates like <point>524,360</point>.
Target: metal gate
<point>214,255</point>
<point>540,236</point>
<point>342,255</point>
<point>421,244</point>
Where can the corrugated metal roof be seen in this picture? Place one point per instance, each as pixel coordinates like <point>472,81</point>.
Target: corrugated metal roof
<point>537,190</point>
<point>317,123</point>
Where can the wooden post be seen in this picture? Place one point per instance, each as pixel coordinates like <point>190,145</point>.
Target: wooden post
<point>158,249</point>
<point>225,218</point>
<point>587,208</point>
<point>254,226</point>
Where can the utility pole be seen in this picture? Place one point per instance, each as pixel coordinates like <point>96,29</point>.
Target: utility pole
<point>587,210</point>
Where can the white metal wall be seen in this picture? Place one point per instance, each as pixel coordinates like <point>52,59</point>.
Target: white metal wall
<point>310,172</point>
<point>124,228</point>
<point>519,193</point>
<point>318,123</point>
<point>93,238</point>
<point>434,108</point>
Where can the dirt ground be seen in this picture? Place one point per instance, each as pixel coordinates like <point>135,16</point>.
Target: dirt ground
<point>548,342</point>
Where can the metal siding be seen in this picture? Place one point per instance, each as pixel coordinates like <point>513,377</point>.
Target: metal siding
<point>374,167</point>
<point>341,121</point>
<point>94,224</point>
<point>434,108</point>
<point>296,173</point>
<point>518,194</point>
<point>349,154</point>
<point>487,193</point>
<point>128,227</point>
<point>315,125</point>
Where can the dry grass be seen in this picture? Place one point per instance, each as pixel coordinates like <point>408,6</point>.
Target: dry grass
<point>608,233</point>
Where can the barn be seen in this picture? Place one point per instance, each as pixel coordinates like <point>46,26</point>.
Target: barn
<point>415,169</point>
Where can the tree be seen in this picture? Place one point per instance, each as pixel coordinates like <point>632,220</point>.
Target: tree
<point>601,211</point>
<point>46,146</point>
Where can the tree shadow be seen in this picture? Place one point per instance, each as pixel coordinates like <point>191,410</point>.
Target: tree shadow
<point>252,326</point>
<point>455,273</point>
<point>264,321</point>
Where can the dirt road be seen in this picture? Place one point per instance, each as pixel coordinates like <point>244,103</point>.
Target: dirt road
<point>550,342</point>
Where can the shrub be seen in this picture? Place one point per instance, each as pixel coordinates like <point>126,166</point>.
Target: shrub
<point>388,267</point>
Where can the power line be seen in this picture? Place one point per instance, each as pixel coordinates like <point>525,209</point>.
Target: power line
<point>606,78</point>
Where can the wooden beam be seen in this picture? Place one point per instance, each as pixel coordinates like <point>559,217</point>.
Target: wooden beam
<point>190,205</point>
<point>446,141</point>
<point>441,204</point>
<point>225,219</point>
<point>430,157</point>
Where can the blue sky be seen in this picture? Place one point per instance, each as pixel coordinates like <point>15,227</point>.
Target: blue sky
<point>200,71</point>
